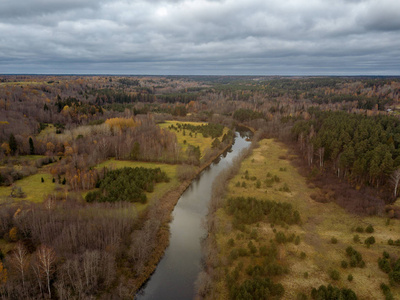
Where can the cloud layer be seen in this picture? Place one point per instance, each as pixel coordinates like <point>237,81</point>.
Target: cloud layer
<point>313,37</point>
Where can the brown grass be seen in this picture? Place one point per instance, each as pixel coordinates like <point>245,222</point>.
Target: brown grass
<point>320,222</point>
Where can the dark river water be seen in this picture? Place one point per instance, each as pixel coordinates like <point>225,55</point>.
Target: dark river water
<point>177,271</point>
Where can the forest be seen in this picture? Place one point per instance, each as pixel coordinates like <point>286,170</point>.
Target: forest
<point>92,166</point>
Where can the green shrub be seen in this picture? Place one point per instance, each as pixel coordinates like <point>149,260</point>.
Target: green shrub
<point>258,184</point>
<point>334,240</point>
<point>252,248</point>
<point>360,229</point>
<point>344,264</point>
<point>280,237</point>
<point>369,241</point>
<point>386,291</point>
<point>369,229</point>
<point>350,278</point>
<point>334,274</point>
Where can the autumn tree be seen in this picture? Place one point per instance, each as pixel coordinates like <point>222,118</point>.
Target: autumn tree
<point>3,274</point>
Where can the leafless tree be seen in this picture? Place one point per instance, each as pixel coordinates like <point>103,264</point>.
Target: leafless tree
<point>45,264</point>
<point>19,260</point>
<point>395,179</point>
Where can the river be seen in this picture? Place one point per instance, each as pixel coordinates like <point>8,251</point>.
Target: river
<point>177,271</point>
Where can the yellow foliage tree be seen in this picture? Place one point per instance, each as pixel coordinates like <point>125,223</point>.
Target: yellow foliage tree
<point>13,234</point>
<point>3,274</point>
<point>6,148</point>
<point>50,147</point>
<point>121,123</point>
<point>68,151</point>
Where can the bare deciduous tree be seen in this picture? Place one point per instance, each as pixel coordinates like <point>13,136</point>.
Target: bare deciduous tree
<point>19,260</point>
<point>395,179</point>
<point>45,261</point>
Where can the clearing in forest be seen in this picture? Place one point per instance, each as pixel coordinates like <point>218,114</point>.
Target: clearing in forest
<point>187,137</point>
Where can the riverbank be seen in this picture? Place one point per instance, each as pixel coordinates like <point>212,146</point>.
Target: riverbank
<point>167,204</point>
<point>306,255</point>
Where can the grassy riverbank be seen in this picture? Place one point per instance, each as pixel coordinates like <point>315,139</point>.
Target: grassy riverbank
<point>326,230</point>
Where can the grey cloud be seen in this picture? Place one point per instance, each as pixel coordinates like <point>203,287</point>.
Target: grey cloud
<point>183,36</point>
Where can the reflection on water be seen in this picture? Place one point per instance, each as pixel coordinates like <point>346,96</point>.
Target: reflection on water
<point>177,271</point>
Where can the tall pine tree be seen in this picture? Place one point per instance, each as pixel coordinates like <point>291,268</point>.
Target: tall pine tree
<point>13,144</point>
<point>31,146</point>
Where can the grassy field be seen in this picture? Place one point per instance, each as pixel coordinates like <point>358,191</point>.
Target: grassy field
<point>33,187</point>
<point>202,142</point>
<point>320,223</point>
<point>160,188</point>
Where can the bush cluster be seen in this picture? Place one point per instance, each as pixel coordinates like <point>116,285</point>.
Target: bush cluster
<point>334,293</point>
<point>391,267</point>
<point>356,259</point>
<point>251,210</point>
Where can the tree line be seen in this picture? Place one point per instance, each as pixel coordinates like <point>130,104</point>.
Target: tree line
<point>362,149</point>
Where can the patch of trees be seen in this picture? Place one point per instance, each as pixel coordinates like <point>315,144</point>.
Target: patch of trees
<point>9,175</point>
<point>129,82</point>
<point>127,184</point>
<point>243,115</point>
<point>257,288</point>
<point>107,96</point>
<point>390,266</point>
<point>210,129</point>
<point>359,148</point>
<point>251,210</point>
<point>64,249</point>
<point>356,259</point>
<point>332,292</point>
<point>178,97</point>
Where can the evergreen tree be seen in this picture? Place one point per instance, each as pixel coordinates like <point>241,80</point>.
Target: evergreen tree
<point>31,146</point>
<point>13,144</point>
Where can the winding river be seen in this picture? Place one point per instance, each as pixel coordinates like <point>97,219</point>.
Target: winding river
<point>177,271</point>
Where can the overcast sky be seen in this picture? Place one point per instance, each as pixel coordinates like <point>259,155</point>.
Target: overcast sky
<point>227,37</point>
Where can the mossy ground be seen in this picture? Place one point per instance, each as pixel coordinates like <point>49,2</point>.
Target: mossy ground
<point>320,222</point>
